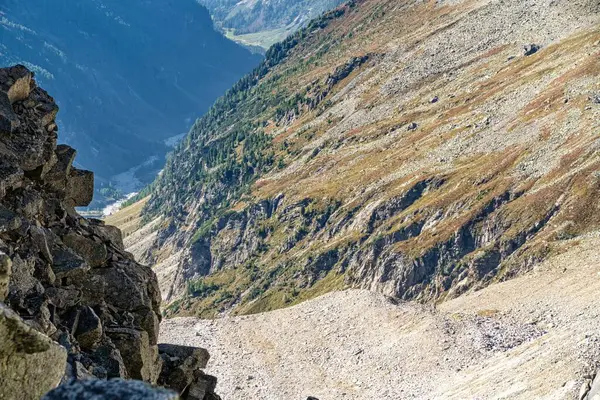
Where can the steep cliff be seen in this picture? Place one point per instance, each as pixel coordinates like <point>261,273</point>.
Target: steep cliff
<point>65,279</point>
<point>419,149</point>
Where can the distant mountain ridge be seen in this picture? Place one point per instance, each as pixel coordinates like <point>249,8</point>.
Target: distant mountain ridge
<point>127,75</point>
<point>264,22</point>
<point>419,149</point>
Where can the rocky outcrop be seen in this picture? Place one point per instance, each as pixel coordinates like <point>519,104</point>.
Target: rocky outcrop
<point>182,371</point>
<point>112,389</point>
<point>68,280</point>
<point>30,363</point>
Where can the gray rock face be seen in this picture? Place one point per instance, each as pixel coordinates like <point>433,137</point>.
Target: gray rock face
<point>140,357</point>
<point>109,390</point>
<point>182,370</point>
<point>70,278</point>
<point>30,363</point>
<point>81,187</point>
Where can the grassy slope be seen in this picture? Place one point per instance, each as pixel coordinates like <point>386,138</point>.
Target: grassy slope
<point>354,151</point>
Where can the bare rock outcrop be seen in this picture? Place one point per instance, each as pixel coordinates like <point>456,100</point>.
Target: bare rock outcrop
<point>65,279</point>
<point>30,362</point>
<point>113,389</point>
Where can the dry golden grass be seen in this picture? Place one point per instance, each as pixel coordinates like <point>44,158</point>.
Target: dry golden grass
<point>128,219</point>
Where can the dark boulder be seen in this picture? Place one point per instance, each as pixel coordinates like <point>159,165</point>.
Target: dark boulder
<point>109,390</point>
<point>531,49</point>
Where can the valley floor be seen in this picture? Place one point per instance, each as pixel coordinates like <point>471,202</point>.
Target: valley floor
<point>534,337</point>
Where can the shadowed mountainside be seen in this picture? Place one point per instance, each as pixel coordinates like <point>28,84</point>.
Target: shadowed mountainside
<point>418,149</point>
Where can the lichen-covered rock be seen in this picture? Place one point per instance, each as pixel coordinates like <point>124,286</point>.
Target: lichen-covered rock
<point>109,390</point>
<point>30,363</point>
<point>15,82</point>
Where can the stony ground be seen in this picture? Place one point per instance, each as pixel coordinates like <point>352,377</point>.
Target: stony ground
<point>534,337</point>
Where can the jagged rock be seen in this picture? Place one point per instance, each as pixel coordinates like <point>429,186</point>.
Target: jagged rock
<point>95,254</point>
<point>107,233</point>
<point>88,331</point>
<point>70,278</point>
<point>67,263</point>
<point>109,390</point>
<point>29,204</point>
<point>81,187</point>
<point>22,282</point>
<point>16,82</point>
<point>30,363</point>
<point>63,297</point>
<point>180,363</point>
<point>108,357</point>
<point>40,242</point>
<point>203,388</point>
<point>5,272</point>
<point>56,178</point>
<point>139,356</point>
<point>182,371</point>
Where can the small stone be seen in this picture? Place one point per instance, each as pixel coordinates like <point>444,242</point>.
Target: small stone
<point>412,126</point>
<point>530,49</point>
<point>140,357</point>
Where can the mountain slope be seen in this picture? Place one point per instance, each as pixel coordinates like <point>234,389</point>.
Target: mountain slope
<point>534,337</point>
<point>265,22</point>
<point>127,75</point>
<point>410,148</point>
